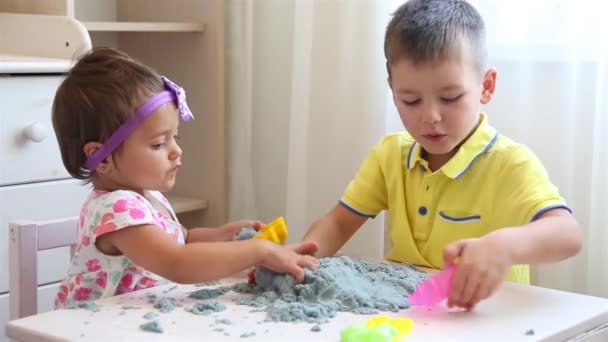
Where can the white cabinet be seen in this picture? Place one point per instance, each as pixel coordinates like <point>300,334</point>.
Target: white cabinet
<point>33,183</point>
<point>28,147</point>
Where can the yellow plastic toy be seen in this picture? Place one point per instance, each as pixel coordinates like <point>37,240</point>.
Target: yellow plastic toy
<point>378,329</point>
<point>404,326</point>
<point>275,231</point>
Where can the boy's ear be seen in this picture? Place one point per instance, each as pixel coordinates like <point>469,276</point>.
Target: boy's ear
<point>488,85</point>
<point>89,148</point>
<point>388,72</point>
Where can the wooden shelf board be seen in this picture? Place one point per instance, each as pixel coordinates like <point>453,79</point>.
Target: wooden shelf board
<point>124,26</point>
<point>182,204</point>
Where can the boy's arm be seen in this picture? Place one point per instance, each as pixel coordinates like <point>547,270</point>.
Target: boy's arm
<point>553,237</point>
<point>483,262</point>
<point>533,225</point>
<point>365,196</point>
<point>333,230</point>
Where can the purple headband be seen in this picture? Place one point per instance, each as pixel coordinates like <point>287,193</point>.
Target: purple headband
<point>173,93</point>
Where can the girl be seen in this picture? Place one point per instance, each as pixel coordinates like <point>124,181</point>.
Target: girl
<point>116,122</point>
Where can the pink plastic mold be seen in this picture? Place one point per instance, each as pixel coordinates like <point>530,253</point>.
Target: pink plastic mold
<point>434,289</point>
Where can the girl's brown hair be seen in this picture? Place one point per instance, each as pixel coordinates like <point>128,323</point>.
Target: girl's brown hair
<point>101,91</point>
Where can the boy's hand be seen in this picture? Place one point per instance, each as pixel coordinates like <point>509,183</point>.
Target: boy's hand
<point>482,266</point>
<point>230,230</point>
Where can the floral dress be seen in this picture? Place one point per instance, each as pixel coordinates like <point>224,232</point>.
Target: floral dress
<point>93,274</point>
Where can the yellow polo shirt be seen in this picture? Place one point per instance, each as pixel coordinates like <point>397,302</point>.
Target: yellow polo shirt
<point>490,183</point>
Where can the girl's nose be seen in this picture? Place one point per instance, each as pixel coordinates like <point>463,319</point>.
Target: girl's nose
<point>176,151</point>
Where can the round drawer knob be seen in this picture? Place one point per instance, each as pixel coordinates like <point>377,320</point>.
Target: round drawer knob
<point>36,132</point>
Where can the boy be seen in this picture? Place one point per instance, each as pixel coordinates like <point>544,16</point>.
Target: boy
<point>456,191</point>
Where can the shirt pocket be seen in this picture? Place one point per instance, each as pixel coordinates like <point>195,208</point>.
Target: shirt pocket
<point>459,224</point>
<point>459,217</point>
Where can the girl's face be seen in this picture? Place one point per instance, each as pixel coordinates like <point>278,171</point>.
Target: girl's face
<point>149,158</point>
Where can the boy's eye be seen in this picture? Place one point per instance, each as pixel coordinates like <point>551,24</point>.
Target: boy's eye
<point>451,98</point>
<point>411,102</point>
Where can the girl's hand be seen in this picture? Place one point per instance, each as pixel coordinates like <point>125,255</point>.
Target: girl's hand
<point>481,267</point>
<point>292,259</point>
<point>230,230</point>
<point>304,248</point>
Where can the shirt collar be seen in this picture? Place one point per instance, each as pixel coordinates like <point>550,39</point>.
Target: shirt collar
<point>478,143</point>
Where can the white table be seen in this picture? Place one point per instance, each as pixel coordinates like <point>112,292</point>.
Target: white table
<point>507,316</point>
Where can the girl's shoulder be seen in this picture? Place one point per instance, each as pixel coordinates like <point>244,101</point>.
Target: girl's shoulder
<point>119,201</point>
<point>105,198</point>
<point>107,211</point>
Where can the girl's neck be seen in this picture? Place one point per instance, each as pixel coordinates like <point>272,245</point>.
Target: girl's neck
<point>109,186</point>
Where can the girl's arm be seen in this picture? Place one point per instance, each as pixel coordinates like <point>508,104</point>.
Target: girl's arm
<point>226,232</point>
<point>151,248</point>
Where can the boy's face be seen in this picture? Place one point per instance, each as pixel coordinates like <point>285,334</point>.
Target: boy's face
<point>439,103</point>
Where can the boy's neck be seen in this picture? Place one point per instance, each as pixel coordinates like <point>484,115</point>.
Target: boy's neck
<point>436,161</point>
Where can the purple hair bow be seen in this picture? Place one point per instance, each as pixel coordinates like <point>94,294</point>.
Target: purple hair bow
<point>180,98</point>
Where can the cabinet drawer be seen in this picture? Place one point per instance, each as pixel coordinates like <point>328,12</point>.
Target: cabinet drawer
<point>28,147</point>
<point>41,201</point>
<point>46,302</point>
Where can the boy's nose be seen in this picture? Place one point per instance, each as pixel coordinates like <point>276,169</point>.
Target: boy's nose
<point>431,114</point>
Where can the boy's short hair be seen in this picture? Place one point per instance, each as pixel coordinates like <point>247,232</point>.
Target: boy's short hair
<point>430,30</point>
<point>100,92</point>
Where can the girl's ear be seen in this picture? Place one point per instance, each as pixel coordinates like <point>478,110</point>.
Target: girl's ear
<point>489,85</point>
<point>89,148</point>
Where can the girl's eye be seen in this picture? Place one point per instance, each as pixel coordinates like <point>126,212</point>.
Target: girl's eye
<point>451,99</point>
<point>158,146</point>
<point>411,102</point>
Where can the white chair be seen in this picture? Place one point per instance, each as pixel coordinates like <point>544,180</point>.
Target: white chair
<point>26,238</point>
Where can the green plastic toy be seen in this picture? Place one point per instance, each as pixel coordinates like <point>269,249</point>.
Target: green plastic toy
<point>362,333</point>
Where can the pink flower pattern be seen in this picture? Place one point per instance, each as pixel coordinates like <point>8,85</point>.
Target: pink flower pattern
<point>92,274</point>
<point>93,265</point>
<point>62,295</point>
<point>102,278</point>
<point>137,213</point>
<point>85,241</point>
<point>82,294</point>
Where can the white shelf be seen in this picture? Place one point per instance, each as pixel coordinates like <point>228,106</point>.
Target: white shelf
<point>32,64</point>
<point>40,43</point>
<point>183,204</point>
<point>118,26</point>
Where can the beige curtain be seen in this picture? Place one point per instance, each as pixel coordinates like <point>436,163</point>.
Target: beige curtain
<point>307,100</point>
